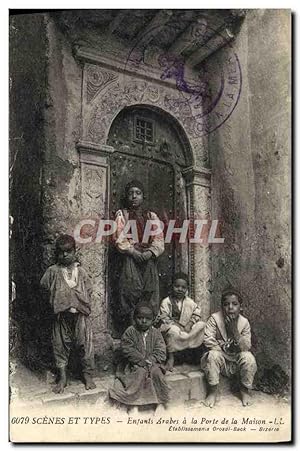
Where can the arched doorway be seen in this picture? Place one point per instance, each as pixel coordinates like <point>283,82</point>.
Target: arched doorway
<point>148,146</point>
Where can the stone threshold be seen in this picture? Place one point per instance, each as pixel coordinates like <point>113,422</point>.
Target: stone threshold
<point>186,382</point>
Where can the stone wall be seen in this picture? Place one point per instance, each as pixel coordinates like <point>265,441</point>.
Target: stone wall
<point>251,179</point>
<point>28,98</point>
<point>66,202</point>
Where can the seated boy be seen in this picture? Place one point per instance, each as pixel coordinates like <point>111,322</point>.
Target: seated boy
<point>69,289</point>
<point>180,319</point>
<point>141,381</point>
<point>227,336</point>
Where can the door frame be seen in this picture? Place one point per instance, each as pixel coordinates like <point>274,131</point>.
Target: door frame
<point>96,157</point>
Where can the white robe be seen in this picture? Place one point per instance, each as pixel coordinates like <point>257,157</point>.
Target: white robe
<point>176,338</point>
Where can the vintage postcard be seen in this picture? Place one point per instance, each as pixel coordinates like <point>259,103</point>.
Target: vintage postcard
<point>150,226</point>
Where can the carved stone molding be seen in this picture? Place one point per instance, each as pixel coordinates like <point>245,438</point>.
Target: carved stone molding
<point>197,176</point>
<point>120,65</point>
<point>94,195</point>
<point>93,190</point>
<point>93,259</point>
<point>198,188</point>
<point>95,154</point>
<point>128,92</point>
<point>201,252</point>
<point>96,80</point>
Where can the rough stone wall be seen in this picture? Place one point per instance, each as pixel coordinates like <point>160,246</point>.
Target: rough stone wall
<point>46,180</point>
<point>251,158</point>
<point>65,201</point>
<point>28,72</point>
<point>61,176</point>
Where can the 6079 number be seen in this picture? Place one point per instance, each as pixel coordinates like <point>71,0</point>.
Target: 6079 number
<point>20,420</point>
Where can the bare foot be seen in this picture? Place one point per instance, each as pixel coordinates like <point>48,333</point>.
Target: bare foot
<point>160,410</point>
<point>118,407</point>
<point>60,386</point>
<point>133,410</point>
<point>170,362</point>
<point>211,398</point>
<point>62,383</point>
<point>88,382</point>
<point>246,396</point>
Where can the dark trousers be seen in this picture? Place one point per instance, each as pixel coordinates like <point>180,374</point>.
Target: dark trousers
<point>73,330</point>
<point>138,282</point>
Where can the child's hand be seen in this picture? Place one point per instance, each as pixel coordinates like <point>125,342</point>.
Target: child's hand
<point>137,256</point>
<point>181,327</point>
<point>146,255</point>
<point>226,346</point>
<point>231,326</point>
<point>230,347</point>
<point>142,363</point>
<point>188,327</point>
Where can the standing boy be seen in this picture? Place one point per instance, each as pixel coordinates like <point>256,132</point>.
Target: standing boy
<point>139,275</point>
<point>69,289</point>
<point>227,337</point>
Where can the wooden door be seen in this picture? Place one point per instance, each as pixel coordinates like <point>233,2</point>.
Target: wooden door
<point>147,148</point>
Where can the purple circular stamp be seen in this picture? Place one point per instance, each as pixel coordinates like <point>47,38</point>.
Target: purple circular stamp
<point>209,88</point>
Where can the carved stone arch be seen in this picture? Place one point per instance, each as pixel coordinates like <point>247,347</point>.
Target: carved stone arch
<point>174,123</point>
<point>100,113</point>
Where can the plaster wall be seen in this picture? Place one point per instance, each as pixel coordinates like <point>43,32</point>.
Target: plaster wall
<point>28,94</point>
<point>251,173</point>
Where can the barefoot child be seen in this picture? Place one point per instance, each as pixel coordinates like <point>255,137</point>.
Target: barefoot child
<point>181,320</point>
<point>69,289</point>
<point>141,380</point>
<point>228,339</point>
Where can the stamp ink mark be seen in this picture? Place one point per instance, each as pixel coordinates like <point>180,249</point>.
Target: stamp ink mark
<point>211,104</point>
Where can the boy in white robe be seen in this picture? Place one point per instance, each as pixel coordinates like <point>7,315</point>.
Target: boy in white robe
<point>180,319</point>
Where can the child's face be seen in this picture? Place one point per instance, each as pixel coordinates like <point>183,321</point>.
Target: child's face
<point>135,197</point>
<point>144,319</point>
<point>179,288</point>
<point>231,306</point>
<point>66,254</point>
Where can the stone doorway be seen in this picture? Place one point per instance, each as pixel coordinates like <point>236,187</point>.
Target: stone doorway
<point>103,177</point>
<point>147,147</point>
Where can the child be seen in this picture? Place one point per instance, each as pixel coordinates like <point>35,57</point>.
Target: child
<point>181,320</point>
<point>141,380</point>
<point>139,274</point>
<point>228,339</point>
<point>69,289</point>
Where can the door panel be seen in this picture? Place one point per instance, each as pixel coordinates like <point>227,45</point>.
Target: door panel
<point>164,194</point>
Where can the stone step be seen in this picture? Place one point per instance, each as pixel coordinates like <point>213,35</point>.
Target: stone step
<point>187,384</point>
<point>183,387</point>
